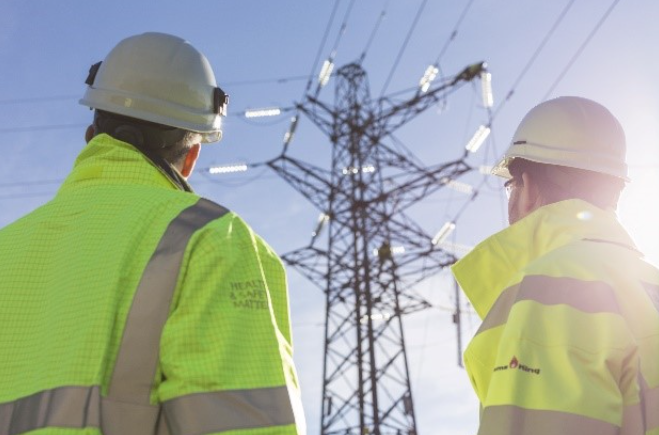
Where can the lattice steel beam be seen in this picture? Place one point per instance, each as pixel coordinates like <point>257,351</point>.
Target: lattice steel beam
<point>366,387</point>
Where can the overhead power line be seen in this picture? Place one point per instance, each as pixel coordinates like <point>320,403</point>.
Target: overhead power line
<point>404,46</point>
<point>278,80</point>
<point>310,78</point>
<point>383,14</point>
<point>322,45</point>
<point>30,183</point>
<point>53,98</point>
<point>200,177</point>
<point>35,128</point>
<point>454,33</point>
<point>25,195</point>
<point>328,65</point>
<point>342,30</point>
<point>535,55</point>
<point>46,127</point>
<point>294,119</point>
<point>325,73</point>
<point>571,62</point>
<point>11,101</point>
<point>581,49</point>
<point>434,70</point>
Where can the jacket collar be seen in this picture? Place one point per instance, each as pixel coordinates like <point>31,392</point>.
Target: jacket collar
<point>106,160</point>
<point>493,265</point>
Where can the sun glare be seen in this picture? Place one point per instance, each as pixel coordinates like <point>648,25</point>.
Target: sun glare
<point>639,212</point>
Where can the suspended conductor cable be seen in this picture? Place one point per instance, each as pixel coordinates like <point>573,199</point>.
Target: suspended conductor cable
<point>25,195</point>
<point>322,45</point>
<point>375,30</point>
<point>295,118</point>
<point>471,199</point>
<point>335,48</point>
<point>279,80</point>
<point>30,183</point>
<point>41,128</point>
<point>206,179</point>
<point>239,183</point>
<point>534,57</point>
<point>323,41</point>
<point>30,100</point>
<point>581,48</point>
<point>37,99</point>
<point>454,33</point>
<point>48,127</point>
<point>342,30</point>
<point>404,47</point>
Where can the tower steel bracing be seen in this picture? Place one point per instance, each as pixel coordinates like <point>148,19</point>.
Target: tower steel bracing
<point>364,197</point>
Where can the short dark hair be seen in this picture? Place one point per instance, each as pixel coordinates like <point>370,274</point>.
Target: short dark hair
<point>170,143</point>
<point>558,183</point>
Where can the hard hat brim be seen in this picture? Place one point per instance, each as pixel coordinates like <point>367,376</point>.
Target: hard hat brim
<point>501,169</point>
<point>560,156</point>
<point>166,114</point>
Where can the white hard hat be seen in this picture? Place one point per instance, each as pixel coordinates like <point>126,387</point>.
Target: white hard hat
<point>569,131</point>
<point>162,79</point>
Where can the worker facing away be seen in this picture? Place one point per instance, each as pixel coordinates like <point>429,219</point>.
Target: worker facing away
<point>569,342</point>
<point>130,305</point>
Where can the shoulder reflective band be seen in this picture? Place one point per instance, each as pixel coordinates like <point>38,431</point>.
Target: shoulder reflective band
<point>509,419</point>
<point>498,314</point>
<point>128,404</point>
<point>586,296</point>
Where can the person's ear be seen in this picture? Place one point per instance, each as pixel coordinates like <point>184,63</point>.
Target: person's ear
<point>190,160</point>
<point>90,133</point>
<point>530,196</point>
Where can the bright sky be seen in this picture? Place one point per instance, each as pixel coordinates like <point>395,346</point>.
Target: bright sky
<point>263,53</point>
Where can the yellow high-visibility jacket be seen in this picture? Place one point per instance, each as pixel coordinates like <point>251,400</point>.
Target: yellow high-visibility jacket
<point>131,307</point>
<point>569,342</point>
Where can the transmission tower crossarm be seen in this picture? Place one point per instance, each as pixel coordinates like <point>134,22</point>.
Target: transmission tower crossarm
<point>426,182</point>
<point>395,159</point>
<point>325,124</point>
<point>313,182</point>
<point>305,260</point>
<point>470,72</point>
<point>422,101</point>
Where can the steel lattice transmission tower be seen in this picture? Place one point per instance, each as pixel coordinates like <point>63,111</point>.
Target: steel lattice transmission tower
<point>363,198</point>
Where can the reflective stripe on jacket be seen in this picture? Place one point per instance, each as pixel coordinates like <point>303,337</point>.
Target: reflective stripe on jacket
<point>569,342</point>
<point>130,307</point>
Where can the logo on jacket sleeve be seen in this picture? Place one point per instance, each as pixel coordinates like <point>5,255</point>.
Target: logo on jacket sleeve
<point>249,294</point>
<point>514,364</point>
